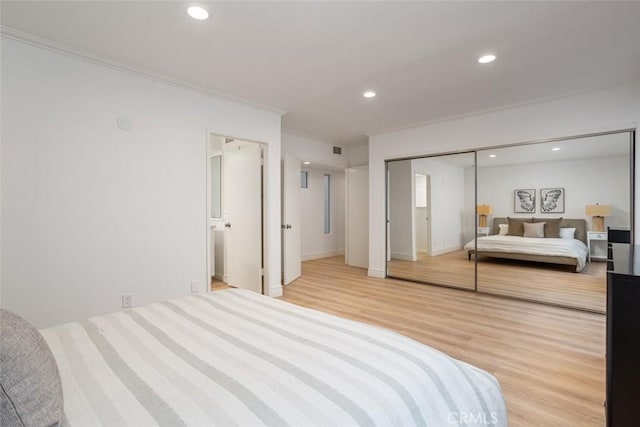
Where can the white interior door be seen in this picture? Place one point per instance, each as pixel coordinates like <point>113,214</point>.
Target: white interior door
<point>243,214</point>
<point>291,220</point>
<point>421,215</point>
<point>428,213</point>
<point>358,216</point>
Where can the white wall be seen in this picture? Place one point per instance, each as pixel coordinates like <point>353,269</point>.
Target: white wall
<point>401,211</point>
<point>315,243</point>
<point>586,182</point>
<point>447,202</point>
<point>89,211</point>
<point>358,155</point>
<point>320,153</point>
<point>357,213</point>
<point>602,110</point>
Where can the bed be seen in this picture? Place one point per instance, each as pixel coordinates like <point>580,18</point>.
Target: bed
<point>233,357</point>
<point>570,252</point>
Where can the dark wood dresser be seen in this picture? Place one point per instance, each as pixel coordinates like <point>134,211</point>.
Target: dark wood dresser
<point>623,335</point>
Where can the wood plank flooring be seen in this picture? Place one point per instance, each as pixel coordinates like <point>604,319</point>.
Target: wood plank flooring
<point>556,284</point>
<point>549,360</point>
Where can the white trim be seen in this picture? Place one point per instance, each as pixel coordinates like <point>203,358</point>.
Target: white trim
<point>445,250</point>
<point>422,251</point>
<point>275,292</point>
<point>403,256</point>
<point>27,38</point>
<point>318,255</point>
<point>372,272</point>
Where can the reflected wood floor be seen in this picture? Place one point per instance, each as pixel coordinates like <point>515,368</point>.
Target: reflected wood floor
<point>549,360</point>
<point>550,283</point>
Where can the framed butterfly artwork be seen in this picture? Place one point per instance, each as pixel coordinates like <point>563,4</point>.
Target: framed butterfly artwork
<point>552,200</point>
<point>524,201</point>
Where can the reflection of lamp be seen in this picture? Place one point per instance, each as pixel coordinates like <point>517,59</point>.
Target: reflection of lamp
<point>483,211</point>
<point>598,212</point>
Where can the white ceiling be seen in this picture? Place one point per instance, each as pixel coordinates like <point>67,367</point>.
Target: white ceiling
<point>592,147</point>
<point>314,60</point>
<point>603,146</point>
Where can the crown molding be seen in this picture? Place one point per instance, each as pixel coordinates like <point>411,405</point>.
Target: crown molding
<point>492,110</point>
<point>53,46</point>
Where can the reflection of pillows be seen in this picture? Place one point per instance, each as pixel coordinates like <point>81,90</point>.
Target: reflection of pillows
<point>515,226</point>
<point>552,229</point>
<point>568,233</point>
<point>533,229</point>
<point>31,391</point>
<point>503,229</point>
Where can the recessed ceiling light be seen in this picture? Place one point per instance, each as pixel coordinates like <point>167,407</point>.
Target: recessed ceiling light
<point>492,156</point>
<point>369,94</point>
<point>486,59</point>
<point>306,163</point>
<point>198,12</point>
<point>555,149</point>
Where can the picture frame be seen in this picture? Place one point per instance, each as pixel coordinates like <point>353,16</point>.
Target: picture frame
<point>552,200</point>
<point>524,200</point>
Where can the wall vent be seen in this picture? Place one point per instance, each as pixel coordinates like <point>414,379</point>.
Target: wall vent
<point>337,150</point>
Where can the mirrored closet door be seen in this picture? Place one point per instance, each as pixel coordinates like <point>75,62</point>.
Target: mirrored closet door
<point>527,221</point>
<point>430,218</point>
<point>547,207</point>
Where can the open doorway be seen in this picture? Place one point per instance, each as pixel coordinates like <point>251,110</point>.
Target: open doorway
<point>423,214</point>
<point>235,212</point>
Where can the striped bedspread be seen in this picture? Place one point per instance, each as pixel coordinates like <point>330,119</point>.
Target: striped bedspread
<point>233,357</point>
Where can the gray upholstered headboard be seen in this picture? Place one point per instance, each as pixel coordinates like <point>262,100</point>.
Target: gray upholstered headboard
<point>579,224</point>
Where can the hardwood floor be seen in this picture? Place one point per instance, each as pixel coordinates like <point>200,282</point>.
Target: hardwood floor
<point>549,360</point>
<point>216,285</point>
<point>452,269</point>
<point>555,284</point>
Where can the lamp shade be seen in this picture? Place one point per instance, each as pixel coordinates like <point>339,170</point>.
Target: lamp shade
<point>484,209</point>
<point>598,210</point>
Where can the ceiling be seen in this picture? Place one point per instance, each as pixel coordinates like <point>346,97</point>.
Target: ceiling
<point>590,147</point>
<point>594,147</point>
<point>313,60</point>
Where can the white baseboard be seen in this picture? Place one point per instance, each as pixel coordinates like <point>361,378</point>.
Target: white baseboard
<point>318,255</point>
<point>402,256</point>
<point>275,292</point>
<point>422,251</point>
<point>443,251</point>
<point>373,272</point>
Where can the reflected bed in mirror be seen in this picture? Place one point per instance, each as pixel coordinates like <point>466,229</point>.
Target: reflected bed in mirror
<point>565,176</point>
<point>570,250</point>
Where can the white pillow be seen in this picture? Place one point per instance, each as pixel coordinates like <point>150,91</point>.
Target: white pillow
<point>504,229</point>
<point>567,233</point>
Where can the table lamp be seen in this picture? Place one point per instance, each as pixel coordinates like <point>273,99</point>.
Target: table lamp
<point>598,212</point>
<point>483,211</point>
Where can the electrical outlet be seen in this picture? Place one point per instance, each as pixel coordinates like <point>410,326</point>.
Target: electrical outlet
<point>127,300</point>
<point>195,286</point>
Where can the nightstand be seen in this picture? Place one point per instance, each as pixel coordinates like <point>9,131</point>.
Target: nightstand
<point>483,231</point>
<point>597,236</point>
